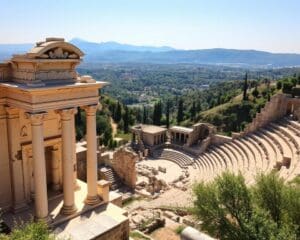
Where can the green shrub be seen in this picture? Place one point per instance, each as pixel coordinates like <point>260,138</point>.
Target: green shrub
<point>179,229</point>
<point>30,231</point>
<point>231,210</point>
<point>287,87</point>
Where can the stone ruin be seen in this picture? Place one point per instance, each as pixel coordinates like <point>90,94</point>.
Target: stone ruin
<point>150,183</point>
<point>146,220</point>
<point>123,164</point>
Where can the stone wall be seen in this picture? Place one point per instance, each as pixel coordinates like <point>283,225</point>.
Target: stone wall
<point>4,72</point>
<point>124,165</point>
<point>220,139</point>
<point>274,109</point>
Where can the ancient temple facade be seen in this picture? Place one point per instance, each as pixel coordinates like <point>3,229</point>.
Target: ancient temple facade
<point>40,92</point>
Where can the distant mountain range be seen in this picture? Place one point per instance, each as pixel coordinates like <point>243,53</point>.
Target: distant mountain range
<point>113,52</point>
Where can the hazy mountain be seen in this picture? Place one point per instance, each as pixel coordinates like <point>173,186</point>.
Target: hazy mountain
<point>6,50</point>
<point>113,52</point>
<point>114,46</point>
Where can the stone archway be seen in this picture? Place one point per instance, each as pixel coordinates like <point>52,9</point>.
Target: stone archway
<point>203,132</point>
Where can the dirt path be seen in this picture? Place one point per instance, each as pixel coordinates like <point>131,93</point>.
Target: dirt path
<point>114,127</point>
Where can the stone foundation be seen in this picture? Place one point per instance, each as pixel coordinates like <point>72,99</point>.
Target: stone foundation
<point>121,232</point>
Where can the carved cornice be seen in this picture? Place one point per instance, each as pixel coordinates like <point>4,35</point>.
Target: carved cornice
<point>12,112</point>
<point>67,114</point>
<point>90,110</point>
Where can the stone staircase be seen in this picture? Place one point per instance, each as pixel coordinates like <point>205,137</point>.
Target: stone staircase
<point>110,175</point>
<point>182,159</point>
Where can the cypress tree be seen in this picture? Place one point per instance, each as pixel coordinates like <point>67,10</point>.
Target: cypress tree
<point>180,111</point>
<point>193,111</point>
<point>245,87</point>
<point>118,114</point>
<point>144,115</point>
<point>157,112</point>
<point>168,114</point>
<point>126,120</point>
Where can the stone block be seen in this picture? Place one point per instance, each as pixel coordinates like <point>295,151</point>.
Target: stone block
<point>103,190</point>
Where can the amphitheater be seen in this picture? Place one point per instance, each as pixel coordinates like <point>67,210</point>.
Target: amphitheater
<point>271,142</point>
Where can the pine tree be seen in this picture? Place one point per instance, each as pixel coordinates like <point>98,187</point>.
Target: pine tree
<point>168,114</point>
<point>245,87</point>
<point>180,111</point>
<point>126,120</point>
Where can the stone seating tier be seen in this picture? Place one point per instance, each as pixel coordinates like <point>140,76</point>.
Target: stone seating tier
<point>275,145</point>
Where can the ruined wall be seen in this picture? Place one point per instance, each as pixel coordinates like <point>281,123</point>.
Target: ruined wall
<point>5,71</point>
<point>124,165</point>
<point>220,139</point>
<point>273,110</point>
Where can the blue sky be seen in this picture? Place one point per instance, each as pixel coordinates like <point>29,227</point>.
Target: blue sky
<point>271,25</point>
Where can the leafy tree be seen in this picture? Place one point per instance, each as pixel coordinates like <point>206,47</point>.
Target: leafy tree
<point>278,85</point>
<point>287,86</point>
<point>180,111</point>
<point>231,210</point>
<point>245,87</point>
<point>255,92</point>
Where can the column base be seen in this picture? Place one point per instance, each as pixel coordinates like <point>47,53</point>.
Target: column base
<point>92,200</point>
<point>19,207</point>
<point>47,219</point>
<point>68,210</point>
<point>32,196</point>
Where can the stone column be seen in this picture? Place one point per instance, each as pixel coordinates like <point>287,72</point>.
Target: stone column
<point>31,178</point>
<point>6,194</point>
<point>67,161</point>
<point>55,167</point>
<point>76,186</point>
<point>15,160</point>
<point>92,165</point>
<point>39,166</point>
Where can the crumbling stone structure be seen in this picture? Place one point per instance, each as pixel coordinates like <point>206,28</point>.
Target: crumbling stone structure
<point>124,165</point>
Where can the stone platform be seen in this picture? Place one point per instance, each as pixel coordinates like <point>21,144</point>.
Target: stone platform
<point>55,204</point>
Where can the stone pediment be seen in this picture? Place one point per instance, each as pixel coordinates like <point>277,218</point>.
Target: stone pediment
<point>54,48</point>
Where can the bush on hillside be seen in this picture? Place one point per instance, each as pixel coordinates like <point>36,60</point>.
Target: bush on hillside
<point>229,209</point>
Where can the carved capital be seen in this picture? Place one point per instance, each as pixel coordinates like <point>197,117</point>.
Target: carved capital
<point>67,114</point>
<point>36,119</point>
<point>12,112</point>
<point>90,110</point>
